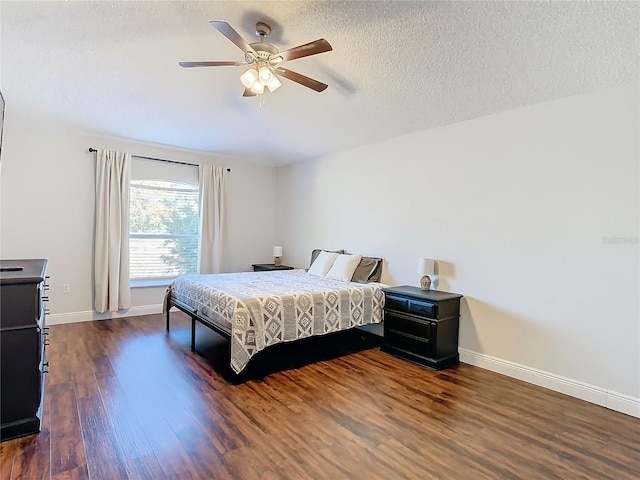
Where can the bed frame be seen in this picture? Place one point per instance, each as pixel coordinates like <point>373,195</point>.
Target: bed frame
<point>342,342</point>
<point>195,317</point>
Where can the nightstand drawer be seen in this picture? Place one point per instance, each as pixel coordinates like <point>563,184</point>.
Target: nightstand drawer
<point>409,343</point>
<point>406,324</point>
<point>425,309</point>
<point>399,304</point>
<point>416,307</point>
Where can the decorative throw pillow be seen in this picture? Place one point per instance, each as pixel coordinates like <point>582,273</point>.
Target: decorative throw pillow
<point>368,270</point>
<point>343,267</point>
<point>316,252</point>
<point>322,264</point>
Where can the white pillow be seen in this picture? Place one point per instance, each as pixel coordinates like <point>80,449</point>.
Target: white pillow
<point>322,264</point>
<point>343,267</point>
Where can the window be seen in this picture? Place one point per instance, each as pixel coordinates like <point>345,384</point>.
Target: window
<point>163,221</point>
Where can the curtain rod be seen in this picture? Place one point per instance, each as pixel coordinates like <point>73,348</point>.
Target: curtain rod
<point>91,150</point>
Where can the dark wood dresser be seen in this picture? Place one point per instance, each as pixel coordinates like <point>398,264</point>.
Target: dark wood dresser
<point>22,346</point>
<point>422,326</point>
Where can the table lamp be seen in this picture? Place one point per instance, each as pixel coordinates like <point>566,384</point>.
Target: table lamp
<point>426,267</point>
<point>277,253</point>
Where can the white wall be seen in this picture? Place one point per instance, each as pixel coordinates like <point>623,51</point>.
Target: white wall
<point>47,208</point>
<point>518,209</point>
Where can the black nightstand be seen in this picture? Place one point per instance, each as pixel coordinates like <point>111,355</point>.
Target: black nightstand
<point>422,326</point>
<point>267,267</point>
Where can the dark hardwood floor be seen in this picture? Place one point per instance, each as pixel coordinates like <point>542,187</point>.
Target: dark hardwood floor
<point>124,399</point>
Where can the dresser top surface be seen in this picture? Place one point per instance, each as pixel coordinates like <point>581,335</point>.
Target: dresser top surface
<point>416,292</point>
<point>22,271</point>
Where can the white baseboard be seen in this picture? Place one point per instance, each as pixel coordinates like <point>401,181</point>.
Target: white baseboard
<point>590,393</point>
<point>89,316</point>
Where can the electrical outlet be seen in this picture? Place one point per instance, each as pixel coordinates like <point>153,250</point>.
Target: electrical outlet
<point>66,288</point>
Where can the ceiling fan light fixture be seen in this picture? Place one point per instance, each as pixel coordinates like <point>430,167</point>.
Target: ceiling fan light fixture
<point>265,75</point>
<point>257,88</point>
<point>250,78</point>
<point>264,60</point>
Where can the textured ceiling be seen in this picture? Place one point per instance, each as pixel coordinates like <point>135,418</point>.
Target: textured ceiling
<point>111,68</point>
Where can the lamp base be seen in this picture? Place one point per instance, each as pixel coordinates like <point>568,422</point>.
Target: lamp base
<point>277,261</point>
<point>425,283</point>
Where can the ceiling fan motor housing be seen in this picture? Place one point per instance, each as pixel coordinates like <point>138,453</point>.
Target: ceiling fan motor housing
<point>264,49</point>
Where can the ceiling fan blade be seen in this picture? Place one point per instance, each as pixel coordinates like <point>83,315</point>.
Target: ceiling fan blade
<point>302,80</point>
<point>228,31</point>
<point>248,93</point>
<point>211,64</point>
<point>311,48</point>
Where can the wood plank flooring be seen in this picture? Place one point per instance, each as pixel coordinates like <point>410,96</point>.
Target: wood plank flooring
<point>126,400</point>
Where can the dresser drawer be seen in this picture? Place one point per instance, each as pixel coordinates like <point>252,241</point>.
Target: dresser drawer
<point>415,307</point>
<point>21,378</point>
<point>21,304</point>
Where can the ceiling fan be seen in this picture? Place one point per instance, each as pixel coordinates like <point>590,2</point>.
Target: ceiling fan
<point>265,60</point>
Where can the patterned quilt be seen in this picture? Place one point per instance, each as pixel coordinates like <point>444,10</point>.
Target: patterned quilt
<point>265,308</point>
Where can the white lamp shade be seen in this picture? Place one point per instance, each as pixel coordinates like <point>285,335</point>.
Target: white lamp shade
<point>258,88</point>
<point>277,251</point>
<point>426,266</point>
<point>249,77</point>
<point>274,84</point>
<point>265,75</point>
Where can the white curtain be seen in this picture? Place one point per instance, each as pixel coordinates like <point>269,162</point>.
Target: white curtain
<point>212,207</point>
<point>111,256</point>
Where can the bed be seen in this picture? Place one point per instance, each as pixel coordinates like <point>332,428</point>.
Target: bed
<point>255,310</point>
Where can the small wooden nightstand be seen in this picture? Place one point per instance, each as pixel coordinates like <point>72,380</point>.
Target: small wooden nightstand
<point>267,267</point>
<point>422,326</point>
